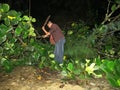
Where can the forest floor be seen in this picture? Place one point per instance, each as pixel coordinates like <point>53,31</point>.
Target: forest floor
<point>31,78</point>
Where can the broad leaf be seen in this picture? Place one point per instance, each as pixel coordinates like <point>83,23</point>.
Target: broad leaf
<point>18,31</point>
<point>4,7</point>
<point>70,67</point>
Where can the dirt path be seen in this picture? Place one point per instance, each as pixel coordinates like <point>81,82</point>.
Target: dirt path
<point>29,78</point>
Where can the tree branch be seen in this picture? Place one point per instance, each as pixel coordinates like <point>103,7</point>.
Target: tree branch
<point>108,15</point>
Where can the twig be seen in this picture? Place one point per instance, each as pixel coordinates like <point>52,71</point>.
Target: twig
<point>115,18</point>
<point>20,40</point>
<point>18,37</point>
<point>108,15</point>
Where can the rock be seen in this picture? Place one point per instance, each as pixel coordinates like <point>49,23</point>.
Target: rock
<point>106,88</point>
<point>93,84</point>
<point>95,88</point>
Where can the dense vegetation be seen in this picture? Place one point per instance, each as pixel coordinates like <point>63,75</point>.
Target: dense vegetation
<point>89,52</point>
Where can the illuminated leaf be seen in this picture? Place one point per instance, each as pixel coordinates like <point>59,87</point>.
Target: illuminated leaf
<point>70,67</point>
<point>51,55</point>
<point>4,7</point>
<point>11,17</point>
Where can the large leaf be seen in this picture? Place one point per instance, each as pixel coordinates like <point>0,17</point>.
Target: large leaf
<point>26,18</point>
<point>4,7</point>
<point>31,32</point>
<point>8,66</point>
<point>98,61</point>
<point>12,14</point>
<point>18,31</point>
<point>107,66</point>
<point>3,31</point>
<point>112,80</point>
<point>70,67</point>
<point>117,67</point>
<point>14,17</point>
<point>2,39</point>
<point>7,21</point>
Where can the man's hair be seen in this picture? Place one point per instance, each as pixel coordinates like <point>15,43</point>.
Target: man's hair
<point>49,22</point>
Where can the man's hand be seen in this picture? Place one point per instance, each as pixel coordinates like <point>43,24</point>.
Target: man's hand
<point>44,36</point>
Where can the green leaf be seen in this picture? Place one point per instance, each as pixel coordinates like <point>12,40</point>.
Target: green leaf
<point>26,18</point>
<point>110,65</point>
<point>14,17</point>
<point>7,22</point>
<point>118,81</point>
<point>2,61</point>
<point>7,66</point>
<point>4,7</point>
<point>33,20</point>
<point>43,58</point>
<point>112,81</point>
<point>18,31</point>
<point>31,32</point>
<point>12,14</point>
<point>77,72</point>
<point>90,69</point>
<point>70,67</point>
<point>64,73</point>
<point>2,39</point>
<point>113,8</point>
<point>98,61</point>
<point>51,55</point>
<point>70,32</point>
<point>107,66</point>
<point>3,31</point>
<point>117,67</point>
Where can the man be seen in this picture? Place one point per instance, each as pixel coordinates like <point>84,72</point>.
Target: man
<point>58,38</point>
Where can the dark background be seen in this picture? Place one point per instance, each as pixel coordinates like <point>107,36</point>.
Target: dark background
<point>62,11</point>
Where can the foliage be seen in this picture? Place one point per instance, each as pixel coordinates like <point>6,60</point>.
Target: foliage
<point>18,42</point>
<point>79,42</point>
<point>111,69</point>
<point>111,9</point>
<point>92,68</point>
<point>85,44</point>
<point>107,40</point>
<point>19,46</point>
<point>16,35</point>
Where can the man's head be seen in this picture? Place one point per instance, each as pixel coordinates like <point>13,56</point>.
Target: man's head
<point>49,24</point>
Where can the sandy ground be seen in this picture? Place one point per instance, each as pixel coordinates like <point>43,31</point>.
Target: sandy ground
<point>30,78</point>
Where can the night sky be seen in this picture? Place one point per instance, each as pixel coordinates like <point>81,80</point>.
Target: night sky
<point>62,11</point>
<point>69,9</point>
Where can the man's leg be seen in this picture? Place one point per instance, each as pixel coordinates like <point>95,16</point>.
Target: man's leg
<point>56,51</point>
<point>59,50</point>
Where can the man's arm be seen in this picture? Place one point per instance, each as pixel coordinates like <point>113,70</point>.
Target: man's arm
<point>46,35</point>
